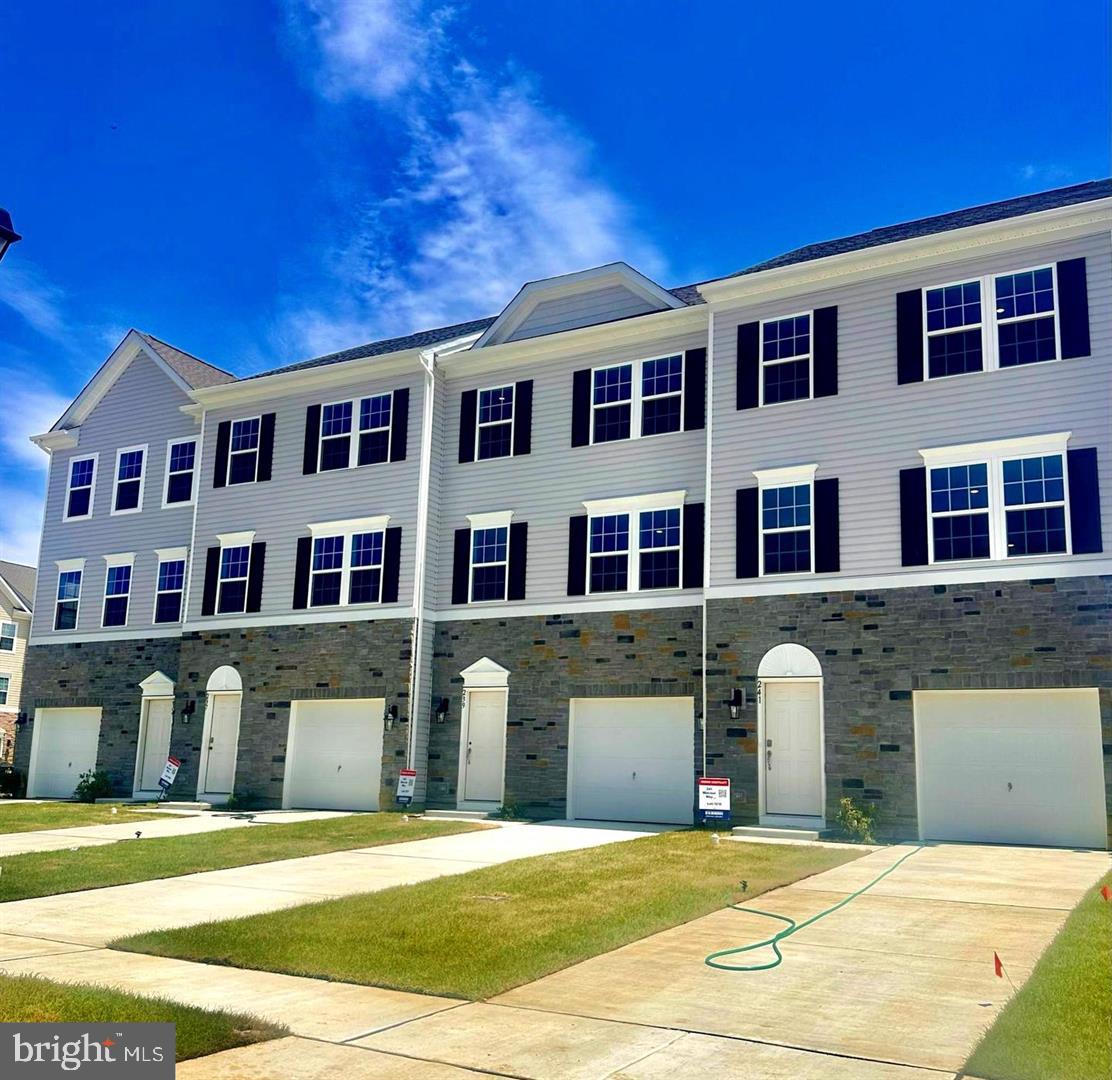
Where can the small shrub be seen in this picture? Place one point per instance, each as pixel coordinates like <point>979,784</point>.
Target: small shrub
<point>856,822</point>
<point>92,785</point>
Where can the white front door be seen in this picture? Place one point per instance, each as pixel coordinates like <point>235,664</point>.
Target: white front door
<point>792,752</point>
<point>223,743</point>
<point>484,748</point>
<point>63,746</point>
<point>154,746</point>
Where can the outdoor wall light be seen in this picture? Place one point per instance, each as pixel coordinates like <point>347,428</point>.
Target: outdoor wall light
<point>440,710</point>
<point>390,716</point>
<point>8,235</point>
<point>188,709</point>
<point>737,702</point>
<point>21,720</point>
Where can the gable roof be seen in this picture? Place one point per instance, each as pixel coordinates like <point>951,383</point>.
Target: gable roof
<point>197,373</point>
<point>939,223</point>
<point>20,581</point>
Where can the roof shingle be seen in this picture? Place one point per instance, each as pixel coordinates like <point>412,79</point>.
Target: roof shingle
<point>22,581</point>
<point>197,373</point>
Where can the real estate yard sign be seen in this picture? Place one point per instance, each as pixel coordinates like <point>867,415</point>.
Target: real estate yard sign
<point>407,781</point>
<point>714,798</point>
<point>169,773</point>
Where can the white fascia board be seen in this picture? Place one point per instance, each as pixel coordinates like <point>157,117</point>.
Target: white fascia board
<point>785,477</point>
<point>1045,226</point>
<point>605,602</point>
<point>70,638</point>
<point>358,613</point>
<point>1027,445</point>
<point>61,439</point>
<point>349,526</point>
<point>660,500</point>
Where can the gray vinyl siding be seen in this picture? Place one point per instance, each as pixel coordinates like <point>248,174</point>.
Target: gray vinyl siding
<point>142,406</point>
<point>548,486</point>
<point>875,427</point>
<point>579,309</point>
<point>280,510</point>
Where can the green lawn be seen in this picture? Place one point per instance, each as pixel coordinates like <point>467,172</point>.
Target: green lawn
<point>30,999</point>
<point>20,816</point>
<point>44,873</point>
<point>1059,1025</point>
<point>477,934</point>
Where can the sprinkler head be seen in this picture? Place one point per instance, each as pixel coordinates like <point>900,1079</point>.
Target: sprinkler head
<point>714,838</point>
<point>114,810</point>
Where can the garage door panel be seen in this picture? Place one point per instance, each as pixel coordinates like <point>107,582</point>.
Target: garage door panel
<point>632,759</point>
<point>335,754</point>
<point>1011,766</point>
<point>65,746</point>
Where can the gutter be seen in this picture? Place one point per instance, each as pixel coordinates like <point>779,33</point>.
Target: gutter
<point>708,515</point>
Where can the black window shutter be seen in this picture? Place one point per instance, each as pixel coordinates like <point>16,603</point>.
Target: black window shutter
<point>909,339</point>
<point>461,566</point>
<point>1085,533</point>
<point>223,441</point>
<point>827,531</point>
<point>913,516</point>
<point>581,408</point>
<point>749,365</point>
<point>694,389</point>
<point>399,423</point>
<point>693,531</point>
<point>391,563</point>
<point>301,572</point>
<point>255,577</point>
<point>312,440</point>
<point>577,555</point>
<point>212,578</point>
<point>266,447</point>
<point>523,417</point>
<point>748,534</point>
<point>519,555</point>
<point>1073,308</point>
<point>468,408</point>
<point>825,355</point>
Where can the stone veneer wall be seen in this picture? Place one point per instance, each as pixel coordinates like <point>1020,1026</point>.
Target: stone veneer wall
<point>552,658</point>
<point>877,647</point>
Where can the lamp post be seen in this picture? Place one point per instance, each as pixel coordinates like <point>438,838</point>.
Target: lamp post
<point>8,235</point>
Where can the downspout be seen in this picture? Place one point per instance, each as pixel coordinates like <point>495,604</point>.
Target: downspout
<point>708,529</point>
<point>198,473</point>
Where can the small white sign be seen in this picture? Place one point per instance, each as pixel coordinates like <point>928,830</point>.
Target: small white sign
<point>407,783</point>
<point>714,796</point>
<point>169,772</point>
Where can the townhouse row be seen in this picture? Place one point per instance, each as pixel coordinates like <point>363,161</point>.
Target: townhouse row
<point>832,526</point>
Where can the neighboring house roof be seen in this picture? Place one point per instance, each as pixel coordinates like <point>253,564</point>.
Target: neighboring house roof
<point>20,580</point>
<point>957,219</point>
<point>195,372</point>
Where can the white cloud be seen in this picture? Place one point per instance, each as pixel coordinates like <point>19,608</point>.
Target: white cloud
<point>29,294</point>
<point>1045,172</point>
<point>494,190</point>
<point>31,409</point>
<point>20,525</point>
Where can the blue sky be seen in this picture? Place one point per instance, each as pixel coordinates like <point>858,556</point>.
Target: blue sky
<point>259,182</point>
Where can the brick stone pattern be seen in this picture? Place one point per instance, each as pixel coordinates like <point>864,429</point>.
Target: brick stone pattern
<point>552,658</point>
<point>277,664</point>
<point>876,648</point>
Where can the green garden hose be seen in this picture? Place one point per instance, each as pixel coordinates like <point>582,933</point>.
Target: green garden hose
<point>714,960</point>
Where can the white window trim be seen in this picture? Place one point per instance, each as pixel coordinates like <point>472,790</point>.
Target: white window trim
<point>234,540</point>
<point>346,530</point>
<point>66,566</point>
<point>232,453</point>
<point>165,555</point>
<point>92,486</point>
<point>170,444</point>
<point>636,399</point>
<point>480,424</point>
<point>123,558</point>
<point>788,476</point>
<point>810,358</point>
<point>356,431</point>
<point>634,506</point>
<point>993,454</point>
<point>498,519</point>
<point>14,635</point>
<point>138,508</point>
<point>5,690</point>
<point>990,322</point>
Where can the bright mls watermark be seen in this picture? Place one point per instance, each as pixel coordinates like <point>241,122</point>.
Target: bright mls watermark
<point>130,1051</point>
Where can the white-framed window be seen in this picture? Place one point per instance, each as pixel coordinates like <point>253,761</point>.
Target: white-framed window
<point>181,464</point>
<point>787,540</point>
<point>127,490</point>
<point>356,432</point>
<point>637,399</point>
<point>489,571</point>
<point>998,500</point>
<point>169,585</point>
<point>494,432</point>
<point>786,359</point>
<point>67,600</point>
<point>635,544</point>
<point>5,686</point>
<point>347,562</point>
<point>7,636</point>
<point>117,589</point>
<point>243,450</point>
<point>997,321</point>
<point>235,566</point>
<point>80,485</point>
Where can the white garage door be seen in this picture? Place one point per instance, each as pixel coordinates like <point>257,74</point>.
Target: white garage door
<point>1011,766</point>
<point>632,759</point>
<point>334,754</point>
<point>63,746</point>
